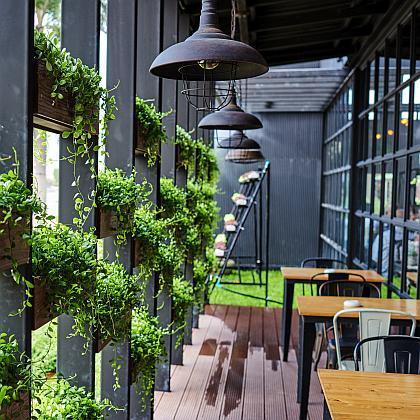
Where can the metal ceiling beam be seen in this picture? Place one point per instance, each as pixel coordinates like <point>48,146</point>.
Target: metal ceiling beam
<point>308,39</point>
<point>272,22</point>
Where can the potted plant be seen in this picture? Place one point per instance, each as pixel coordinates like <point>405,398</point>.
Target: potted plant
<point>150,130</point>
<point>17,204</point>
<point>249,176</point>
<point>15,379</point>
<point>57,399</point>
<point>239,199</point>
<point>118,196</point>
<point>220,245</point>
<point>230,222</point>
<point>147,347</point>
<point>186,148</point>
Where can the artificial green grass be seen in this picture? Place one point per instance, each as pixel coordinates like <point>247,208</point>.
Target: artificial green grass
<point>222,296</point>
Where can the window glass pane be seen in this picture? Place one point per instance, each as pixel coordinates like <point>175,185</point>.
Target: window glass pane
<point>366,240</point>
<point>412,263</point>
<point>398,252</point>
<point>405,51</point>
<point>399,212</point>
<point>378,186</point>
<point>379,131</point>
<point>380,249</point>
<point>368,188</point>
<point>404,118</point>
<point>415,187</point>
<point>416,114</point>
<point>381,74</point>
<point>388,188</point>
<point>390,123</point>
<point>392,63</point>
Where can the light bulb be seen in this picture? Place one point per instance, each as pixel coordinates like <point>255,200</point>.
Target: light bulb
<point>208,64</point>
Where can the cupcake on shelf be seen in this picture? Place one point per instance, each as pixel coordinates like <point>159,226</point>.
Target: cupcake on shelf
<point>230,222</point>
<point>220,245</point>
<point>239,199</point>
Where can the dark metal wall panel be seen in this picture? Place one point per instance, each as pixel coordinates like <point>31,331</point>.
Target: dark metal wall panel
<point>80,35</point>
<point>293,144</point>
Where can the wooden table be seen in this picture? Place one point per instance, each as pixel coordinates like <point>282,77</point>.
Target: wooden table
<point>313,309</point>
<point>293,275</point>
<point>366,395</point>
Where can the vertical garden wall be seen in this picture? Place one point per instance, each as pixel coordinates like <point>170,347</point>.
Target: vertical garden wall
<point>112,281</point>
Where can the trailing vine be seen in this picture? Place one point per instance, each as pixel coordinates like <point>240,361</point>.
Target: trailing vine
<point>186,148</point>
<point>206,168</point>
<point>151,128</point>
<point>147,347</point>
<point>121,195</point>
<point>92,103</point>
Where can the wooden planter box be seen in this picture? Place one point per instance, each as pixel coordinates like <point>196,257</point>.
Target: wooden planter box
<point>141,148</point>
<point>108,224</point>
<point>12,246</point>
<point>41,308</point>
<point>50,114</point>
<point>17,410</point>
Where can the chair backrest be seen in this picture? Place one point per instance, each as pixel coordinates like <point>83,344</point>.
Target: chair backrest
<point>372,323</point>
<point>349,288</point>
<point>402,353</point>
<point>321,262</point>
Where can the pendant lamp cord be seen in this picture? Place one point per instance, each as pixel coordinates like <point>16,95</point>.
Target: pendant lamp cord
<point>233,20</point>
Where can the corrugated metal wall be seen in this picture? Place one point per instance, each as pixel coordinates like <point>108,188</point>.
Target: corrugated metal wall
<point>292,142</point>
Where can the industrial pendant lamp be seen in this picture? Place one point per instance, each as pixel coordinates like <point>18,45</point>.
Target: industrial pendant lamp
<point>208,56</point>
<point>232,117</point>
<point>248,152</point>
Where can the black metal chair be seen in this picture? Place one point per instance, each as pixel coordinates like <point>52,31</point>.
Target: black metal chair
<point>321,262</point>
<point>390,353</point>
<point>339,284</point>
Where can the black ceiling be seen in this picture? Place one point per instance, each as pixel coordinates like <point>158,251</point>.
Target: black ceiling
<point>292,31</point>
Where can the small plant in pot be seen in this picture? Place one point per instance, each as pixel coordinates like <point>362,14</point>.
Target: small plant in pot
<point>58,399</point>
<point>118,196</point>
<point>182,298</point>
<point>186,148</point>
<point>17,204</point>
<point>15,379</point>
<point>239,199</point>
<point>230,222</point>
<point>220,245</point>
<point>151,132</point>
<point>147,347</point>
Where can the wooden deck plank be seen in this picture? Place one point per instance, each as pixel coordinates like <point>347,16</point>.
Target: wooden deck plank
<point>215,388</point>
<point>253,402</point>
<point>170,401</point>
<point>191,400</point>
<point>233,403</point>
<point>275,403</point>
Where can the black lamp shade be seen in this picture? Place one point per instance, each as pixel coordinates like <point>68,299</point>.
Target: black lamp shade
<point>231,117</point>
<point>194,58</point>
<point>248,152</point>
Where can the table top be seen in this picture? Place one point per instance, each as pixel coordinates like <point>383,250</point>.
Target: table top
<point>306,273</point>
<point>328,306</point>
<point>365,395</point>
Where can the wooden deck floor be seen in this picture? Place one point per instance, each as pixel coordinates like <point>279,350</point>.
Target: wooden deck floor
<point>234,370</point>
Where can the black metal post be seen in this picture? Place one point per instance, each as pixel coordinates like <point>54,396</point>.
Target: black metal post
<point>121,70</point>
<point>16,132</point>
<point>80,36</point>
<point>267,234</point>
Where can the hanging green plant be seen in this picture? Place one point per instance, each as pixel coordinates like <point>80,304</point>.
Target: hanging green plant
<point>151,132</point>
<point>147,347</point>
<point>119,195</point>
<point>186,148</point>
<point>92,104</point>
<point>117,294</point>
<point>182,298</point>
<point>170,260</point>
<point>59,400</point>
<point>207,168</point>
<point>15,373</point>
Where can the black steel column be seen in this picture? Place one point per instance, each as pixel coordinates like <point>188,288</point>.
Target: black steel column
<point>121,71</point>
<point>148,86</point>
<point>16,63</point>
<point>169,21</point>
<point>80,36</point>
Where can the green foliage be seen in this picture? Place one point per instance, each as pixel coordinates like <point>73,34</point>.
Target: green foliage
<point>117,293</point>
<point>59,400</point>
<point>207,169</point>
<point>182,298</point>
<point>151,126</point>
<point>120,194</point>
<point>147,347</point>
<point>186,148</point>
<point>83,84</point>
<point>14,371</point>
<point>44,351</point>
